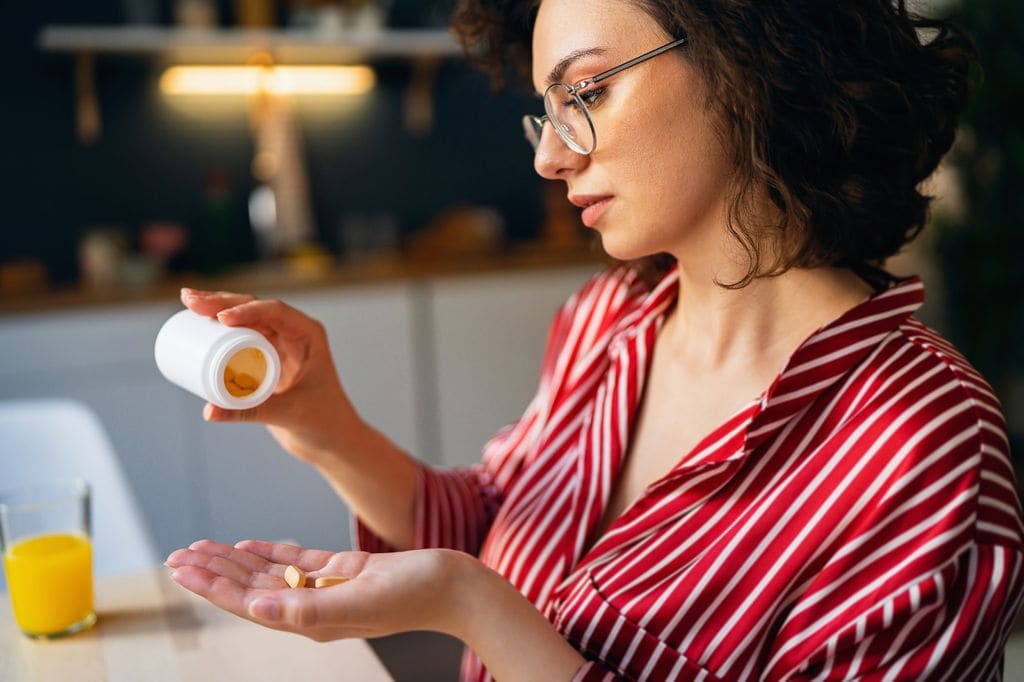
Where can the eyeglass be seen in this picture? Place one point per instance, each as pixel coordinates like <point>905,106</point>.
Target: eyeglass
<point>568,113</point>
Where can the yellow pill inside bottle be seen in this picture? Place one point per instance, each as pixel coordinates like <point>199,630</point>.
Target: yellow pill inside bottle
<point>245,371</point>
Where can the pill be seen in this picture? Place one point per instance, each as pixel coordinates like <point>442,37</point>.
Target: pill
<point>236,390</point>
<point>294,576</point>
<point>229,374</point>
<point>327,581</point>
<point>244,380</point>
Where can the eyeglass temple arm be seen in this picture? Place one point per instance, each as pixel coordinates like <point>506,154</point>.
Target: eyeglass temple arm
<point>635,60</point>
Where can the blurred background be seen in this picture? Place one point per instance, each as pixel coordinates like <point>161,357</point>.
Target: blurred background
<point>105,155</point>
<point>350,161</point>
<point>340,154</point>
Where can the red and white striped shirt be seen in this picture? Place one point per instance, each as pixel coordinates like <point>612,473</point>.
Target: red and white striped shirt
<point>857,520</point>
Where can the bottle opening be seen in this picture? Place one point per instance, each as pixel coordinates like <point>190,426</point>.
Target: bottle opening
<point>245,371</point>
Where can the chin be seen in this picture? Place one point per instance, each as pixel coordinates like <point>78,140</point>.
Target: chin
<point>624,249</point>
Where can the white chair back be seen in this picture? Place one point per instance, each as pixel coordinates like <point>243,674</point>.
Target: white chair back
<point>43,439</point>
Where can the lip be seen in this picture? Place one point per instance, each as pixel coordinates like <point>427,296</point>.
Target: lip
<point>593,205</point>
<point>584,200</point>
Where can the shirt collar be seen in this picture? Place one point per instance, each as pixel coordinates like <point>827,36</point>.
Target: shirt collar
<point>831,353</point>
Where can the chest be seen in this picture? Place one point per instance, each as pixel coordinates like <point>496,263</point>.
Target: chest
<point>678,415</point>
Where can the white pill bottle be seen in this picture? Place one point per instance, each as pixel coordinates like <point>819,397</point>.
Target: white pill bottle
<point>232,367</point>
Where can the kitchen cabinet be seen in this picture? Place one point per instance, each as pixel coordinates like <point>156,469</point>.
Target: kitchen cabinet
<point>489,333</point>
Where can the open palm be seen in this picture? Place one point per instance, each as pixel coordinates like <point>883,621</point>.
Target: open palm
<point>385,593</point>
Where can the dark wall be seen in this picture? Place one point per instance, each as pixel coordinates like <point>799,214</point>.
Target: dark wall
<point>153,157</point>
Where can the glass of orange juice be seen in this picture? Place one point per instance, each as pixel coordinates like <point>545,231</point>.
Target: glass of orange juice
<point>44,535</point>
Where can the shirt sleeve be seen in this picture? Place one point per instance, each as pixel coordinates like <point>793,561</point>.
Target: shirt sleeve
<point>454,509</point>
<point>952,624</point>
<point>456,506</point>
<point>595,671</point>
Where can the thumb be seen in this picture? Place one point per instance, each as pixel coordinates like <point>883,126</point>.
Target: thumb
<point>290,610</point>
<point>214,413</point>
<point>265,609</point>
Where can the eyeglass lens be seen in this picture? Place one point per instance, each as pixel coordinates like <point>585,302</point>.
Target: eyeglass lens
<point>533,127</point>
<point>569,117</point>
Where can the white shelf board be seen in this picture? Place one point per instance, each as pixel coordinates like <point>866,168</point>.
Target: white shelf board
<point>286,45</point>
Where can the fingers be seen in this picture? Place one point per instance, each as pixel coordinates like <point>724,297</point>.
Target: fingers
<point>316,614</point>
<point>209,303</point>
<point>225,568</point>
<point>215,413</point>
<point>241,581</point>
<point>277,605</point>
<point>308,560</point>
<point>276,320</point>
<point>261,564</point>
<point>239,556</point>
<point>272,316</point>
<point>236,565</point>
<point>315,562</point>
<point>219,590</point>
<point>242,310</point>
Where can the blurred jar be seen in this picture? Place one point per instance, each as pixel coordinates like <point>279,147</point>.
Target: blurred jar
<point>195,13</point>
<point>365,235</point>
<point>101,253</point>
<point>221,237</point>
<point>365,16</point>
<point>163,240</point>
<point>255,13</point>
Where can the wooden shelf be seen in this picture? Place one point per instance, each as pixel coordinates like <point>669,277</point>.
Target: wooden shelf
<point>236,45</point>
<point>281,276</point>
<point>425,48</point>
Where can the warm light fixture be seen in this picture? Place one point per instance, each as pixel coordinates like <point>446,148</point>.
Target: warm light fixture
<point>274,80</point>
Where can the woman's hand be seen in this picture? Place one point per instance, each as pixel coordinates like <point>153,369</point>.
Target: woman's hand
<point>309,413</point>
<point>426,589</point>
<point>312,418</point>
<point>385,594</point>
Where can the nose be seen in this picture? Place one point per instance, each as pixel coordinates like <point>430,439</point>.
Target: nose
<point>553,159</point>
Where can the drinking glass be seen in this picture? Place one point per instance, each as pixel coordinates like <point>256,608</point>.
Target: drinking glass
<point>45,539</point>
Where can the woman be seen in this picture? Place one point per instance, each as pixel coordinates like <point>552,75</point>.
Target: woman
<point>745,459</point>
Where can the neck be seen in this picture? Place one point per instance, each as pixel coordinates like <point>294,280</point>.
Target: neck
<point>759,326</point>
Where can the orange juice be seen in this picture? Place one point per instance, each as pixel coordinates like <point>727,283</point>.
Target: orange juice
<point>50,581</point>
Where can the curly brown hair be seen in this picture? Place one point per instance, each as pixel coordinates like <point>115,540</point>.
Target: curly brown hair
<point>838,110</point>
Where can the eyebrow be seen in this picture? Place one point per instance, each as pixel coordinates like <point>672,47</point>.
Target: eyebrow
<point>563,65</point>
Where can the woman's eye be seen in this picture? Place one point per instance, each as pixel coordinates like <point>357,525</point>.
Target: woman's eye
<point>591,97</point>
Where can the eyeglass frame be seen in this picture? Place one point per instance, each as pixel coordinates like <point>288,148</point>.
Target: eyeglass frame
<point>533,126</point>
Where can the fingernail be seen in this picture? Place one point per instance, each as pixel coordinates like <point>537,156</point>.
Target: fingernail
<point>264,609</point>
<point>208,412</point>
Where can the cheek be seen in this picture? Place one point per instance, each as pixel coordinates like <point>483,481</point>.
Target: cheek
<point>671,158</point>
